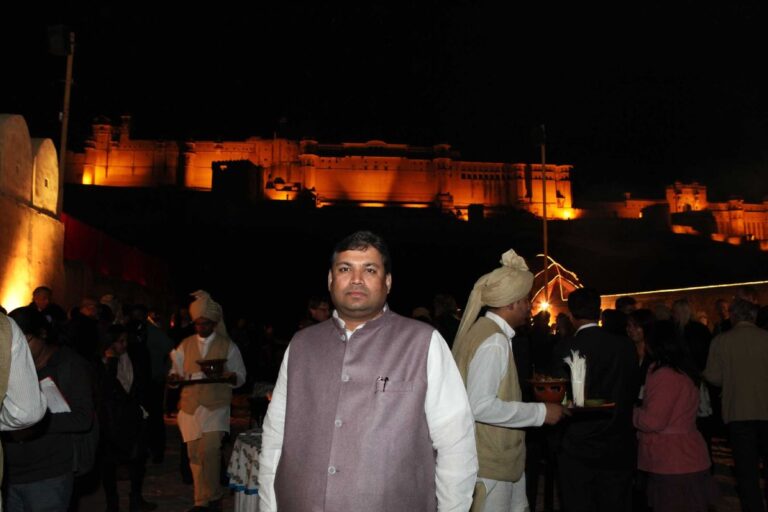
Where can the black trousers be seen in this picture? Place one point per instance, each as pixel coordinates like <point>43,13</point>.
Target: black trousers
<point>749,442</point>
<point>137,468</point>
<point>588,489</point>
<point>155,421</point>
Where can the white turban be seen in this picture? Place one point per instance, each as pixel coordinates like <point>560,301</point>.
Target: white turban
<point>204,306</point>
<point>505,285</point>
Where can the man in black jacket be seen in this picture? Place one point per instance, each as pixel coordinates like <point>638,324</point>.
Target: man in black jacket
<point>124,383</point>
<point>596,456</point>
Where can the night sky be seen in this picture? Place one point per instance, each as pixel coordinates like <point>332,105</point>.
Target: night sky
<point>633,97</point>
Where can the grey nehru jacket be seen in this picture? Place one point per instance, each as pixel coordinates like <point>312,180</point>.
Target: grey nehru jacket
<point>356,434</point>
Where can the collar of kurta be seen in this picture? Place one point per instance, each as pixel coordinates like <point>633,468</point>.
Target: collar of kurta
<point>507,329</point>
<point>342,326</point>
<point>205,341</point>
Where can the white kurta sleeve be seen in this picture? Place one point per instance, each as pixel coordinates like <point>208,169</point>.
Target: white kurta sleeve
<point>24,404</point>
<point>235,364</point>
<point>177,361</point>
<point>273,429</point>
<point>451,428</point>
<point>487,368</point>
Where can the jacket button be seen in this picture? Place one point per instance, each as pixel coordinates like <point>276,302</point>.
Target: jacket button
<point>345,378</point>
<point>331,470</point>
<point>337,422</point>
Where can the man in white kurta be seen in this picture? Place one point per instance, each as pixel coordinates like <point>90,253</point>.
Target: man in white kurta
<point>204,412</point>
<point>21,402</point>
<point>484,355</point>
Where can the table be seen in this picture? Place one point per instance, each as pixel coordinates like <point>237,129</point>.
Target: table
<point>243,470</point>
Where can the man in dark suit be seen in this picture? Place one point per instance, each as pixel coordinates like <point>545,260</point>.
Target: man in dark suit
<point>596,455</point>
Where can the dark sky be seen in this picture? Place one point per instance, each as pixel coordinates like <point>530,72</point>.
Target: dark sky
<point>633,96</point>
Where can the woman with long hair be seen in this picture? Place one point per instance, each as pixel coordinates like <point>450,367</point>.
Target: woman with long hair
<point>671,449</point>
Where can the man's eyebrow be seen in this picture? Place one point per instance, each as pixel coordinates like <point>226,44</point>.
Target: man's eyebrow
<point>364,264</point>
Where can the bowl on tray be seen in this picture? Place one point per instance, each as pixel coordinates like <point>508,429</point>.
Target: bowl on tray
<point>212,368</point>
<point>548,389</point>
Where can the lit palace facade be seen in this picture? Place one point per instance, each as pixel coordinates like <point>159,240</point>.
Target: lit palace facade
<point>733,221</point>
<point>371,173</point>
<point>375,173</point>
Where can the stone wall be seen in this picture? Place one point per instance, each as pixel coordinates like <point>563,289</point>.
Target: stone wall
<point>31,235</point>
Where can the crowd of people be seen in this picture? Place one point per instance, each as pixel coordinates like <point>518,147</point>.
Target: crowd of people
<point>386,412</point>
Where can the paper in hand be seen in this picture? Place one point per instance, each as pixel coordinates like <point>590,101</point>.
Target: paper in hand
<point>56,401</point>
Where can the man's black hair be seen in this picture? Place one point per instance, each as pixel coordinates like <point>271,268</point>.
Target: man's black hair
<point>584,304</point>
<point>111,335</point>
<point>625,300</point>
<point>141,308</point>
<point>360,241</point>
<point>30,321</point>
<point>315,301</point>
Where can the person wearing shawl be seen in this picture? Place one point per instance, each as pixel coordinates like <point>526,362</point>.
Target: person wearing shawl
<point>204,408</point>
<point>483,353</point>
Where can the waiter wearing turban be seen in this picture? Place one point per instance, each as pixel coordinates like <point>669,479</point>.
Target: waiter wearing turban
<point>483,353</point>
<point>204,409</point>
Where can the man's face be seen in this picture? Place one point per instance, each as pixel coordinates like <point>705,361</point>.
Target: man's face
<point>120,345</point>
<point>90,309</point>
<point>359,285</point>
<point>520,312</point>
<point>321,313</point>
<point>204,327</point>
<point>41,300</point>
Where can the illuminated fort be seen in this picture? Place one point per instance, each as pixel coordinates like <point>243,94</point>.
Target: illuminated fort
<point>732,221</point>
<point>376,173</point>
<point>372,173</point>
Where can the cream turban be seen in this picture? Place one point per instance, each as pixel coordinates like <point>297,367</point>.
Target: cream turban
<point>505,285</point>
<point>205,306</point>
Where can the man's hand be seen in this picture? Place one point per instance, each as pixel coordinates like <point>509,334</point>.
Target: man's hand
<point>555,413</point>
<point>173,380</point>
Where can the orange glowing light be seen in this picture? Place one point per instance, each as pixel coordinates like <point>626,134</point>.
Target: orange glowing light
<point>680,229</point>
<point>689,289</point>
<point>15,291</point>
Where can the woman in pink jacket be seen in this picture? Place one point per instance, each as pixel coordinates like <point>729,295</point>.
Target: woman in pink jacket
<point>670,449</point>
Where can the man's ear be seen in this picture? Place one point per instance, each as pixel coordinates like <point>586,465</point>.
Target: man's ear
<point>330,279</point>
<point>388,282</point>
